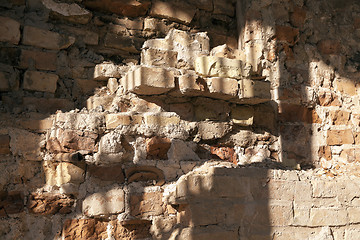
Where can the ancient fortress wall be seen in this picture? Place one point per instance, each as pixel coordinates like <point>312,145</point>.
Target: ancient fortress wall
<point>149,119</point>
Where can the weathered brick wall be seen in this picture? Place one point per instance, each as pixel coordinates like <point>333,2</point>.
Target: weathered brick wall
<point>108,108</point>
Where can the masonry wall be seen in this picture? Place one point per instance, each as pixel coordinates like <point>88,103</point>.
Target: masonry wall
<point>133,120</point>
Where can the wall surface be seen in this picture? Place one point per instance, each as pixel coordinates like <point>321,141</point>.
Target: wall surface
<point>179,120</point>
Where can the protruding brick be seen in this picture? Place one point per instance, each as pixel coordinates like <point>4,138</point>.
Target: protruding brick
<point>104,203</point>
<point>45,39</point>
<point>9,30</point>
<point>339,137</point>
<point>68,12</point>
<point>104,71</point>
<point>40,81</point>
<point>39,60</point>
<point>176,11</point>
<point>148,81</point>
<point>211,66</point>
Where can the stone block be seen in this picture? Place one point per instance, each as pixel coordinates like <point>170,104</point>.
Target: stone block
<point>9,30</point>
<point>158,57</point>
<point>40,81</point>
<point>157,148</point>
<point>182,151</point>
<point>213,130</point>
<point>39,60</point>
<point>74,140</point>
<point>222,88</point>
<point>26,144</point>
<point>107,173</point>
<point>146,204</point>
<point>280,213</point>
<point>242,115</point>
<point>105,102</point>
<point>81,229</point>
<point>156,25</point>
<point>148,81</point>
<point>68,12</point>
<point>254,92</point>
<point>161,119</point>
<point>104,203</point>
<point>112,85</point>
<point>4,82</point>
<point>45,39</point>
<point>11,203</point>
<point>345,86</point>
<point>177,11</point>
<point>119,119</point>
<point>79,121</point>
<point>354,215</point>
<point>127,8</point>
<point>352,233</point>
<point>5,144</point>
<point>287,34</point>
<point>339,137</point>
<point>327,217</point>
<point>40,125</point>
<point>210,66</point>
<point>50,204</point>
<point>329,46</point>
<point>104,71</point>
<point>85,86</point>
<point>125,43</point>
<point>225,7</point>
<point>57,174</point>
<point>339,117</point>
<point>49,105</point>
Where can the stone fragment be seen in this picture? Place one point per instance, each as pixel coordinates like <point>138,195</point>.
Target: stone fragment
<point>146,204</point>
<point>81,229</point>
<point>158,57</point>
<point>132,8</point>
<point>5,144</point>
<point>213,130</point>
<point>157,148</point>
<point>50,204</point>
<point>112,85</point>
<point>40,81</point>
<point>161,119</point>
<point>339,137</point>
<point>254,92</point>
<point>156,25</point>
<point>9,30</point>
<point>68,12</point>
<point>104,203</point>
<point>104,71</point>
<point>145,174</point>
<point>242,115</point>
<point>39,60</point>
<point>182,151</point>
<point>173,10</point>
<point>11,203</point>
<point>148,81</point>
<point>325,152</point>
<point>46,39</point>
<point>107,173</point>
<point>210,66</point>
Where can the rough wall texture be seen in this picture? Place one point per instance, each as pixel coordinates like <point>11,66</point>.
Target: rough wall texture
<point>179,136</point>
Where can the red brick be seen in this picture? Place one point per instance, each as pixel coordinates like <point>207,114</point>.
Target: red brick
<point>50,204</point>
<point>298,17</point>
<point>39,60</point>
<point>329,46</point>
<point>287,34</point>
<point>224,153</point>
<point>339,137</point>
<point>5,144</point>
<point>157,147</point>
